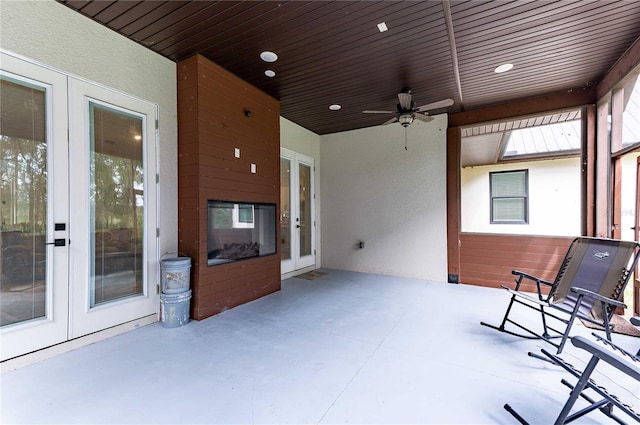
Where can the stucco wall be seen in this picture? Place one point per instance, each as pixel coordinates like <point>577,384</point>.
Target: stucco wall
<point>391,198</point>
<point>51,34</point>
<point>554,198</point>
<point>299,139</point>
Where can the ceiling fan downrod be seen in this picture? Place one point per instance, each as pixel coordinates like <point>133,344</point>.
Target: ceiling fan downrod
<point>405,138</point>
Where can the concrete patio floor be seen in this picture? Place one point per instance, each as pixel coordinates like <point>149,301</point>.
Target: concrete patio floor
<point>343,348</point>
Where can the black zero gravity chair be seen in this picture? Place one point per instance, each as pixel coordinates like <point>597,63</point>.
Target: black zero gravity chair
<point>589,286</point>
<point>586,388</point>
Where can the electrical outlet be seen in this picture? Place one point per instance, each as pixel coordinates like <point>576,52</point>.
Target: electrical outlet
<point>237,152</point>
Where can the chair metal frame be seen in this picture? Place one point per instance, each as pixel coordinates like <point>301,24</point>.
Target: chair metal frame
<point>609,353</point>
<point>635,321</point>
<point>571,294</point>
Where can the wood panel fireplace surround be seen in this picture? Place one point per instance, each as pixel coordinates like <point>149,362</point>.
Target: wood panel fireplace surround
<point>228,150</point>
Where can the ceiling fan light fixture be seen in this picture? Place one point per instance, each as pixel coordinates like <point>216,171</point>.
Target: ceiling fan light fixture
<point>405,119</point>
<point>503,68</point>
<point>407,111</point>
<point>268,56</point>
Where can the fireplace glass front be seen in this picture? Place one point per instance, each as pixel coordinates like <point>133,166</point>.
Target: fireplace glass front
<point>237,231</point>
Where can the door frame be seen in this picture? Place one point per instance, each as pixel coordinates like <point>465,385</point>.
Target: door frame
<point>296,262</point>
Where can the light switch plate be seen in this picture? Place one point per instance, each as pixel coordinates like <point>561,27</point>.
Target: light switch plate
<point>253,168</point>
<point>237,152</point>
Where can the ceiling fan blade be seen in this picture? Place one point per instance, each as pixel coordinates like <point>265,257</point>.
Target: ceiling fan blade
<point>423,117</point>
<point>405,100</point>
<point>391,121</point>
<point>378,112</point>
<point>435,105</point>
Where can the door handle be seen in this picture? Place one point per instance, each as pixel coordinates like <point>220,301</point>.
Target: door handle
<point>297,226</point>
<point>57,242</point>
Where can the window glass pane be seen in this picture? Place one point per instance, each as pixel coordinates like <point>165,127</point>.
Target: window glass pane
<point>23,207</point>
<point>508,184</point>
<point>117,204</point>
<point>508,196</point>
<point>509,209</point>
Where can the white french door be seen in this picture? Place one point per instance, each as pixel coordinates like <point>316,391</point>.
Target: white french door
<point>34,190</point>
<point>78,212</point>
<point>113,254</point>
<point>297,211</point>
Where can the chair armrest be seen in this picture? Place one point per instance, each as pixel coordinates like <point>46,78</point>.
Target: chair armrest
<point>531,277</point>
<point>614,360</point>
<point>611,301</point>
<point>537,280</point>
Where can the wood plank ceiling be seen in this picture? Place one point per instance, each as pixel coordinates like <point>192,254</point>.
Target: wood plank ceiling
<point>331,52</point>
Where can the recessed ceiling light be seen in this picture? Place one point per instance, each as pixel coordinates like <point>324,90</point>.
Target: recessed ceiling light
<point>268,56</point>
<point>270,73</point>
<point>382,27</point>
<point>503,68</point>
<point>335,107</point>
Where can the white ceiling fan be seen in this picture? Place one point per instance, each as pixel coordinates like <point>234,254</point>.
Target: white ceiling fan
<point>406,110</point>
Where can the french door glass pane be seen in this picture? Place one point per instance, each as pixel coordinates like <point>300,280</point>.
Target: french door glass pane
<point>285,208</point>
<point>23,207</point>
<point>305,209</point>
<point>116,204</point>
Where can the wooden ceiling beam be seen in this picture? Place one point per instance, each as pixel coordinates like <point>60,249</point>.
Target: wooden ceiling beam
<point>623,66</point>
<point>520,108</point>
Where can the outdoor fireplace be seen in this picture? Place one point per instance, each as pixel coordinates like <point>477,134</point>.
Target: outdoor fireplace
<point>238,231</point>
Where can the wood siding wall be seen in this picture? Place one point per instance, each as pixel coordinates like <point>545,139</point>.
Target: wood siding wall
<point>212,122</point>
<point>488,259</point>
